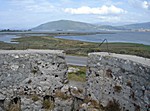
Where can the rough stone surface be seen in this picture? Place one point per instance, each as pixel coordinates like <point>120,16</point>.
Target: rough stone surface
<point>65,105</point>
<point>31,72</point>
<point>36,80</point>
<point>121,78</point>
<point>17,66</point>
<point>30,105</point>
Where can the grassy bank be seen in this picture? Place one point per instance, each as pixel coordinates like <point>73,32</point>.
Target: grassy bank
<point>79,75</point>
<point>76,47</point>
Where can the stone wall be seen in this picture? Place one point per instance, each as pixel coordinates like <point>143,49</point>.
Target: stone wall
<point>30,72</point>
<point>36,80</point>
<point>119,80</point>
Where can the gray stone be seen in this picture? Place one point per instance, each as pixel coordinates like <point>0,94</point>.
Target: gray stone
<point>31,72</point>
<point>120,77</point>
<point>65,105</point>
<point>65,88</point>
<point>2,97</point>
<point>7,103</point>
<point>1,109</point>
<point>30,105</point>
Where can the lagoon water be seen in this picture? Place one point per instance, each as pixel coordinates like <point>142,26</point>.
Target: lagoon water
<point>7,38</point>
<point>130,37</point>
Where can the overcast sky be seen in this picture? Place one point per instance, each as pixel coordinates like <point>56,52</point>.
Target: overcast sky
<point>30,13</point>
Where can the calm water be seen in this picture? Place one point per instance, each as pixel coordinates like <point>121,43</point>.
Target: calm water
<point>131,37</point>
<point>8,38</point>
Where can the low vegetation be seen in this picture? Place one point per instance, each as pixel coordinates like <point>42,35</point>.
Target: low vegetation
<point>117,88</point>
<point>113,106</point>
<point>14,108</point>
<point>73,47</point>
<point>79,75</point>
<point>48,105</point>
<point>129,84</point>
<point>61,95</point>
<point>35,97</point>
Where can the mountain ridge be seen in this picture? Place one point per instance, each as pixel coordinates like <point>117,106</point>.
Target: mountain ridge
<point>69,25</point>
<point>63,25</point>
<point>145,25</point>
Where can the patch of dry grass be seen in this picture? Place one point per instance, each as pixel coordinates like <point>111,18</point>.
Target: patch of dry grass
<point>35,97</point>
<point>48,105</point>
<point>61,95</point>
<point>79,75</point>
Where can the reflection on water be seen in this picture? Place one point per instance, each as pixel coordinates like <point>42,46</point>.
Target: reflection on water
<point>8,38</point>
<point>129,37</point>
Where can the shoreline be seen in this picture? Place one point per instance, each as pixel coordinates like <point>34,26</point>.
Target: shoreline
<point>75,47</point>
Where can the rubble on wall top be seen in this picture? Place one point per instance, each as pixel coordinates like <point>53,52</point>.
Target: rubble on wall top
<point>141,60</point>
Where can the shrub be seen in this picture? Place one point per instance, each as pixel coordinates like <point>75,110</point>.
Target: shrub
<point>47,104</point>
<point>35,97</point>
<point>109,73</point>
<point>14,108</point>
<point>113,106</point>
<point>117,88</point>
<point>61,95</point>
<point>129,84</point>
<point>95,104</point>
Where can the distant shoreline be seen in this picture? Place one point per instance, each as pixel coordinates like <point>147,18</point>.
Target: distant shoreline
<point>60,33</point>
<point>75,47</point>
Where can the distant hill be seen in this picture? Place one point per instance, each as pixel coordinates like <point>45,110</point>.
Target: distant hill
<point>66,25</point>
<point>136,26</point>
<point>109,27</point>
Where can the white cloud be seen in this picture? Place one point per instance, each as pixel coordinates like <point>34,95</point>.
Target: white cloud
<point>112,19</point>
<point>40,8</point>
<point>146,4</point>
<point>33,5</point>
<point>140,4</point>
<point>104,10</point>
<point>118,19</point>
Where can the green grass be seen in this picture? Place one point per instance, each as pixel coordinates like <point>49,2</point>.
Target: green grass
<point>79,75</point>
<point>73,47</point>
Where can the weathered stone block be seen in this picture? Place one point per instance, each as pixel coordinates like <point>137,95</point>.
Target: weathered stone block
<point>28,72</point>
<point>121,77</point>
